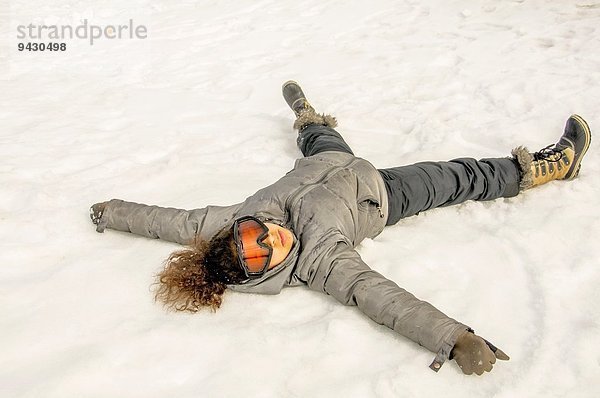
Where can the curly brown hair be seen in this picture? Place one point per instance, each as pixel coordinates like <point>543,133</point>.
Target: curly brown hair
<point>198,275</point>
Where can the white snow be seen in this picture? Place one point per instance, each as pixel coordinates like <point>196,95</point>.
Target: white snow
<point>193,116</point>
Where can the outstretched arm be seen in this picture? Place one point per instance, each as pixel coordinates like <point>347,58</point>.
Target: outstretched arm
<point>352,282</point>
<point>174,225</point>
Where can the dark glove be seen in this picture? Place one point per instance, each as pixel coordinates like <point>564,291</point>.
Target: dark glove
<point>96,212</point>
<point>475,355</point>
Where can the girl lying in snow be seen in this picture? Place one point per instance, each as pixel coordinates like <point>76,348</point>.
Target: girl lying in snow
<point>303,229</point>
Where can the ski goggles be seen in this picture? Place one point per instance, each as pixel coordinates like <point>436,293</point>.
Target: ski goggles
<point>253,254</point>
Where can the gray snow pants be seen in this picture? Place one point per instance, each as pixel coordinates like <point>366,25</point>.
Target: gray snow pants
<point>426,185</point>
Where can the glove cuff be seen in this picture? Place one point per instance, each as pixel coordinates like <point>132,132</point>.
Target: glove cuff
<point>445,351</point>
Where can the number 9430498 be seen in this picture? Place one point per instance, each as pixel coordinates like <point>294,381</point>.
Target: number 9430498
<point>42,46</point>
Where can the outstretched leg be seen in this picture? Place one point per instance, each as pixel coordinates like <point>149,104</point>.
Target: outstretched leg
<point>422,186</point>
<point>316,138</point>
<point>316,132</point>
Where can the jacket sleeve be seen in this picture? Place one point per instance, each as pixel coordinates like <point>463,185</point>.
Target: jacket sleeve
<point>347,278</point>
<point>170,224</point>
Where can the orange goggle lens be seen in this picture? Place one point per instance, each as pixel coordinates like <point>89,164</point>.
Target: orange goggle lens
<point>253,254</point>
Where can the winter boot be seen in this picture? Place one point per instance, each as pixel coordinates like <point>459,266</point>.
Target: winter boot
<point>561,161</point>
<point>295,98</point>
<point>305,113</point>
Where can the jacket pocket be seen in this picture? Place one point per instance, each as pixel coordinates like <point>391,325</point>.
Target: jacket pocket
<point>370,205</point>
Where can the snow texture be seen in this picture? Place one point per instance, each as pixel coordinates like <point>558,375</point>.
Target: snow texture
<point>193,115</point>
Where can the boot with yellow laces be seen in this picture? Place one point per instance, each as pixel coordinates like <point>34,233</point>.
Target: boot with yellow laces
<point>561,161</point>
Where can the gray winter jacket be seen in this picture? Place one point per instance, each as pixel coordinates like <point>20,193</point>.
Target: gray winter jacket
<point>332,201</point>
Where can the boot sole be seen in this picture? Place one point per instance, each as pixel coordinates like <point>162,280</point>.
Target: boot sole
<point>588,140</point>
<point>284,85</point>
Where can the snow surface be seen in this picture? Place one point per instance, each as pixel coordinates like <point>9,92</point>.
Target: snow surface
<point>193,115</point>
